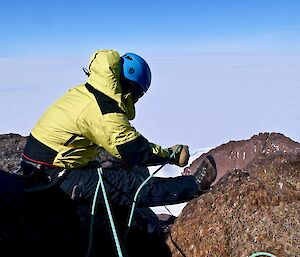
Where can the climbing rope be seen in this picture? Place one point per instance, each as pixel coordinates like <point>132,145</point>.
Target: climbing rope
<point>143,184</point>
<point>108,209</point>
<point>262,254</point>
<point>109,213</point>
<point>93,217</point>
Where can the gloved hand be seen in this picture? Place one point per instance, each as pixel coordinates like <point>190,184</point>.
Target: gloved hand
<point>182,155</point>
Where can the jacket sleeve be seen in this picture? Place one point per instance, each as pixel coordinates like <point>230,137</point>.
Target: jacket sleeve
<point>115,134</point>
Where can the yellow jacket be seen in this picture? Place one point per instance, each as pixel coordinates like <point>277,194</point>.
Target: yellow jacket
<point>89,117</point>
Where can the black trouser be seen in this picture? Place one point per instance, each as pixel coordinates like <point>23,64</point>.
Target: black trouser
<point>121,186</point>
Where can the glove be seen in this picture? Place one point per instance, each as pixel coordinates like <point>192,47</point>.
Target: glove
<point>181,156</point>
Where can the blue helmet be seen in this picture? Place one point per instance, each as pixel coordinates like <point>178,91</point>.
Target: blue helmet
<point>136,70</point>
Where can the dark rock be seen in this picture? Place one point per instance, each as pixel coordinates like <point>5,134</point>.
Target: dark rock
<point>37,224</point>
<point>11,147</point>
<point>255,205</point>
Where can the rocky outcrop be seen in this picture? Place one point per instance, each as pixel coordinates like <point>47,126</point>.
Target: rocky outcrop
<point>238,154</point>
<point>254,206</point>
<point>11,147</point>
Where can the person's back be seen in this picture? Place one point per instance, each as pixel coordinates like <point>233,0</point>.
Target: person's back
<point>92,115</point>
<point>58,133</point>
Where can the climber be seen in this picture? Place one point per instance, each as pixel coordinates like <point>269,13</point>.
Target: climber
<point>63,146</point>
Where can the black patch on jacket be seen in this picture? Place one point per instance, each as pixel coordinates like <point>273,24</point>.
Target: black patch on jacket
<point>138,152</point>
<point>106,104</point>
<point>36,151</point>
<point>70,140</point>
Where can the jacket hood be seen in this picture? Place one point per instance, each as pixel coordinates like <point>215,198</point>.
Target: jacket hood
<point>104,75</point>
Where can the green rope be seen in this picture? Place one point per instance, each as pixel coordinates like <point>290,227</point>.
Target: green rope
<point>108,209</point>
<point>111,220</point>
<point>143,184</point>
<point>109,213</point>
<point>93,218</point>
<point>262,254</point>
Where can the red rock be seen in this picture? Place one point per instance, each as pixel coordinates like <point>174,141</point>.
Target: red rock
<point>238,154</point>
<point>254,207</point>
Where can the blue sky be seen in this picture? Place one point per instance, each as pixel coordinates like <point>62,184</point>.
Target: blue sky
<point>222,69</point>
<point>64,28</point>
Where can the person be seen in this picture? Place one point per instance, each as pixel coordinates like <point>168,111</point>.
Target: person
<point>65,142</point>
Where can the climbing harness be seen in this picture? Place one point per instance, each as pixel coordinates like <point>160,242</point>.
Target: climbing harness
<point>51,183</point>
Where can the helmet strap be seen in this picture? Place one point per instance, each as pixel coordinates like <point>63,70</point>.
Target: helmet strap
<point>132,88</point>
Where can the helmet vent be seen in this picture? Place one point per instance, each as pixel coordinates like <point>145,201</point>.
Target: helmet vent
<point>136,69</point>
